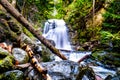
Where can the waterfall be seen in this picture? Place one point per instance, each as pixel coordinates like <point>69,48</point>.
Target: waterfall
<point>57,31</point>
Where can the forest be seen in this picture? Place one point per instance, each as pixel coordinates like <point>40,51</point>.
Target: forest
<point>93,26</point>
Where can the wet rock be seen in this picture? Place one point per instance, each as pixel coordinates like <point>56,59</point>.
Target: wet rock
<point>65,69</point>
<point>103,72</point>
<point>86,73</point>
<point>20,55</point>
<point>32,74</point>
<point>118,71</point>
<point>6,60</point>
<point>13,75</point>
<point>24,38</point>
<point>116,78</point>
<point>58,70</point>
<point>46,56</point>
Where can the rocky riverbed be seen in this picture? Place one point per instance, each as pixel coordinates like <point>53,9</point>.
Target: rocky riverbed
<point>16,65</point>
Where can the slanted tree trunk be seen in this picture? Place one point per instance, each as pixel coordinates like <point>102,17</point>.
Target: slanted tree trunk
<point>26,24</point>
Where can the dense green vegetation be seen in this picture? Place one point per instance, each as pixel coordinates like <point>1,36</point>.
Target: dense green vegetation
<point>111,26</point>
<point>81,17</point>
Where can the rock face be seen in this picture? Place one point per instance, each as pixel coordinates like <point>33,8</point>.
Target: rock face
<point>20,55</point>
<point>6,60</point>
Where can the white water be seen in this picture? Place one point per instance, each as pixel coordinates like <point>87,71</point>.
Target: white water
<point>57,31</point>
<point>102,72</point>
<point>73,55</point>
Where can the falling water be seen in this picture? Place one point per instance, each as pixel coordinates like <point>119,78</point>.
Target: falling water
<point>57,31</point>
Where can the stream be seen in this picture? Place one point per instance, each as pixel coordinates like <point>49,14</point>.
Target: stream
<point>57,31</point>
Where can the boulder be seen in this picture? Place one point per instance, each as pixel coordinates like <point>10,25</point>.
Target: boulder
<point>58,70</point>
<point>6,60</point>
<point>13,75</point>
<point>20,55</point>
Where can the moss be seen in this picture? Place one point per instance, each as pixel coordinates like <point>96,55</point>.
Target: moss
<point>6,63</point>
<point>86,71</point>
<point>15,27</point>
<point>1,76</point>
<point>28,33</point>
<point>107,58</point>
<point>13,75</point>
<point>45,56</point>
<point>3,53</point>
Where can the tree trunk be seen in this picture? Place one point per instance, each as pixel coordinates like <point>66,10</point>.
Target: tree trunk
<point>26,24</point>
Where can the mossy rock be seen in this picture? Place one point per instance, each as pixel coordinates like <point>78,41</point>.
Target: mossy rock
<point>46,56</point>
<point>98,55</point>
<point>107,58</point>
<point>6,64</point>
<point>13,75</point>
<point>86,71</point>
<point>3,53</point>
<point>6,60</point>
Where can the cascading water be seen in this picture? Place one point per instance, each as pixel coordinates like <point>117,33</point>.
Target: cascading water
<point>57,31</point>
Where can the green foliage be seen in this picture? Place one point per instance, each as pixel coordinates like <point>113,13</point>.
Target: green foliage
<point>78,9</point>
<point>111,25</point>
<point>116,40</point>
<point>105,36</point>
<point>112,22</point>
<point>112,17</point>
<point>76,14</point>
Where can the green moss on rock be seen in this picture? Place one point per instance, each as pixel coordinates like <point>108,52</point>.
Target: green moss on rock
<point>6,64</point>
<point>6,60</point>
<point>13,75</point>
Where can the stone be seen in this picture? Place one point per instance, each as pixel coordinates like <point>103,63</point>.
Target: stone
<point>20,55</point>
<point>58,70</point>
<point>6,60</point>
<point>13,75</point>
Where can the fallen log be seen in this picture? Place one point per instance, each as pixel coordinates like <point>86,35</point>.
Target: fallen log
<point>83,58</point>
<point>35,62</point>
<point>27,25</point>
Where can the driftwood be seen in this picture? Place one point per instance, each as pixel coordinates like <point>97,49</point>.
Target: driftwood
<point>26,24</point>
